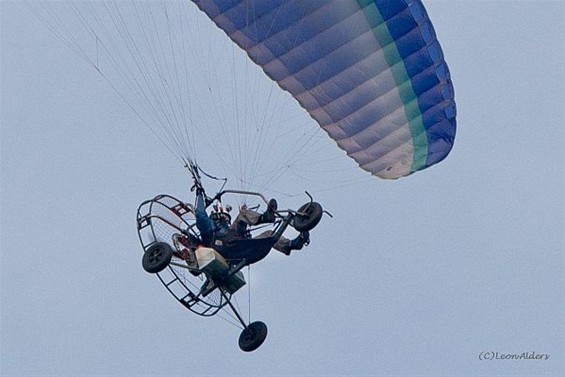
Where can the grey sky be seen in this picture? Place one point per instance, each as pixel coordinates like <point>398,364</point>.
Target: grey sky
<point>414,277</point>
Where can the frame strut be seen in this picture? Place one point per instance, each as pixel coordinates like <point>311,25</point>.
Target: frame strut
<point>233,309</point>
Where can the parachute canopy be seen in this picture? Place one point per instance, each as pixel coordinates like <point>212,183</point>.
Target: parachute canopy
<point>370,72</point>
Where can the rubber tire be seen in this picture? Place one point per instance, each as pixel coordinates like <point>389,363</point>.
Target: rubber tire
<point>157,257</point>
<point>253,336</point>
<point>313,216</point>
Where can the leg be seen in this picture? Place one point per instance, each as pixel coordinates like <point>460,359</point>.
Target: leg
<point>284,245</point>
<point>281,243</point>
<point>247,217</point>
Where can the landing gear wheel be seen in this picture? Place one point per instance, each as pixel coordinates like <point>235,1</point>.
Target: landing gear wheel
<point>253,336</point>
<point>312,215</point>
<point>157,257</point>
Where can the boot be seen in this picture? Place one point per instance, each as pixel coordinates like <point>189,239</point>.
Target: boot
<point>298,243</point>
<point>269,215</point>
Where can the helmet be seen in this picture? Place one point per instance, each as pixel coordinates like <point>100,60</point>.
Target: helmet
<point>221,216</point>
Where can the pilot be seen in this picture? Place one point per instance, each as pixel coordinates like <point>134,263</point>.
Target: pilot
<point>216,229</point>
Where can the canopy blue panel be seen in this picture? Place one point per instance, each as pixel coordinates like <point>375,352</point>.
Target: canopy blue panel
<point>370,72</point>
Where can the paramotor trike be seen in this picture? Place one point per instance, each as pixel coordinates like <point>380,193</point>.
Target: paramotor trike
<point>201,278</point>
